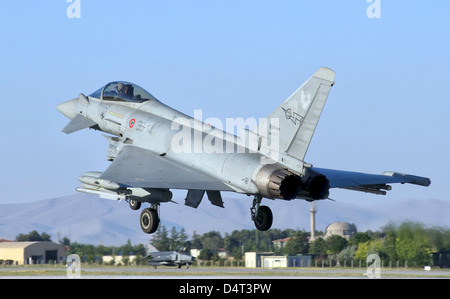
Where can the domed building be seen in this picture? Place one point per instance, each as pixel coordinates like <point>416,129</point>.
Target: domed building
<point>342,229</point>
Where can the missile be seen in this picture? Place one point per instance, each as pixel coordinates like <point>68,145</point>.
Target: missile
<point>102,193</point>
<point>93,180</point>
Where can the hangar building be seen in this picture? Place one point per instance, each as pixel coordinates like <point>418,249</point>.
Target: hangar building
<point>21,253</point>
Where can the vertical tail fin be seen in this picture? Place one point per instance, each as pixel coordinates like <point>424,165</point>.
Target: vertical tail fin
<point>151,248</point>
<point>296,119</point>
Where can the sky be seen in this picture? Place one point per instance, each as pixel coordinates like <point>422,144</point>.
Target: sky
<point>388,109</point>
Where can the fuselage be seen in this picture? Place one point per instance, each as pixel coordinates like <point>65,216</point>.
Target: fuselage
<point>170,258</point>
<point>251,164</point>
<point>173,135</point>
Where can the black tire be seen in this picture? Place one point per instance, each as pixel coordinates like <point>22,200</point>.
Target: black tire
<point>134,204</point>
<point>149,221</point>
<point>264,218</point>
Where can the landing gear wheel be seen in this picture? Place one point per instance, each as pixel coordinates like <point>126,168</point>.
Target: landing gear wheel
<point>263,218</point>
<point>134,204</point>
<point>149,221</point>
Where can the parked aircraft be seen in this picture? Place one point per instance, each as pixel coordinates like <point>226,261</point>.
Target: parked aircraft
<point>168,258</point>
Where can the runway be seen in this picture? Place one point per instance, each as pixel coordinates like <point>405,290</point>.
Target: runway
<point>106,272</point>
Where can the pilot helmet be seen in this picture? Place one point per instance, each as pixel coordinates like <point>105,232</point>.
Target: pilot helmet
<point>120,87</point>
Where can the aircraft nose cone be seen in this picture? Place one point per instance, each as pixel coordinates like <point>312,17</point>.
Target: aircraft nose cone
<point>68,108</point>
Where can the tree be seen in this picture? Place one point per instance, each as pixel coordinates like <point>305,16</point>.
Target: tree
<point>240,241</point>
<point>183,237</point>
<point>360,238</point>
<point>348,253</point>
<point>33,236</point>
<point>65,241</point>
<point>317,246</point>
<point>196,241</point>
<point>46,237</point>
<point>410,251</point>
<point>205,254</point>
<point>335,244</point>
<point>212,240</point>
<point>412,244</point>
<point>236,253</point>
<point>127,249</point>
<point>173,240</point>
<point>161,239</point>
<point>177,240</point>
<point>390,242</point>
<point>367,248</point>
<point>297,244</point>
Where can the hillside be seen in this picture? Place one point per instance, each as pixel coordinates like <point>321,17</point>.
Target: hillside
<point>88,219</point>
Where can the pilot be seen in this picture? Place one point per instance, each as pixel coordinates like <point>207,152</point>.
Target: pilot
<point>125,90</point>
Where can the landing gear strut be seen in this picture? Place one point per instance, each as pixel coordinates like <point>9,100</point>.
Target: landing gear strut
<point>261,215</point>
<point>149,219</point>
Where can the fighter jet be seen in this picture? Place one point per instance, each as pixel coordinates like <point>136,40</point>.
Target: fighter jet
<point>168,258</point>
<point>155,148</point>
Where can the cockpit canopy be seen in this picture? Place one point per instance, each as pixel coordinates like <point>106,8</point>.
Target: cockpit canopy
<point>122,91</point>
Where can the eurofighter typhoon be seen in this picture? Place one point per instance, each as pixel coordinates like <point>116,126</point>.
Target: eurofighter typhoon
<point>154,148</point>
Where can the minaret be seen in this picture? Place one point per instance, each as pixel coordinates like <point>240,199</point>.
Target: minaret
<point>313,222</point>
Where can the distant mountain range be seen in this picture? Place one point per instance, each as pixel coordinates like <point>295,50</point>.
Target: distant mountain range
<point>89,219</point>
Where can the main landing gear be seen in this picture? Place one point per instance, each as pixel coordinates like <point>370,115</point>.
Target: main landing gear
<point>149,219</point>
<point>134,204</point>
<point>261,215</point>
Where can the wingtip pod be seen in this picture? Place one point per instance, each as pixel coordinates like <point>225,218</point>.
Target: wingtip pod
<point>412,179</point>
<point>325,74</point>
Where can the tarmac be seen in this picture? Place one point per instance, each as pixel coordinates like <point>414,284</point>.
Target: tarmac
<point>122,272</point>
